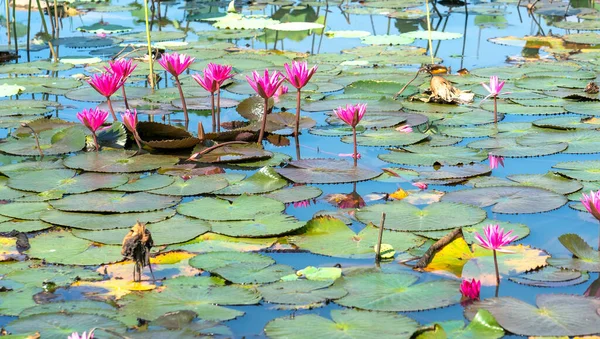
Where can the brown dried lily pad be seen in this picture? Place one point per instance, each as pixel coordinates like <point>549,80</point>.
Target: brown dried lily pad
<point>159,135</point>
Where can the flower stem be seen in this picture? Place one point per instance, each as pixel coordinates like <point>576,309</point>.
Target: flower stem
<point>124,96</point>
<point>218,108</point>
<point>212,111</point>
<point>496,267</point>
<point>96,141</point>
<point>495,110</point>
<point>264,122</point>
<point>136,137</point>
<point>185,112</point>
<point>112,110</point>
<point>298,112</point>
<point>297,147</point>
<point>355,147</point>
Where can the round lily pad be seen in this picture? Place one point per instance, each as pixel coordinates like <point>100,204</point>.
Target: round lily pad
<point>234,153</point>
<point>118,162</point>
<point>301,292</point>
<point>397,292</point>
<point>509,148</point>
<point>325,171</point>
<point>422,155</point>
<point>193,186</point>
<point>295,194</point>
<point>95,221</point>
<point>330,236</point>
<point>580,170</point>
<point>264,180</point>
<point>61,325</point>
<point>402,216</point>
<point>551,277</point>
<point>433,35</point>
<point>551,181</point>
<point>586,141</point>
<point>245,207</point>
<point>114,202</point>
<point>263,225</point>
<point>386,137</point>
<point>24,226</point>
<point>343,323</point>
<point>52,142</point>
<point>26,211</point>
<point>64,180</point>
<point>509,199</point>
<point>147,183</point>
<point>584,257</point>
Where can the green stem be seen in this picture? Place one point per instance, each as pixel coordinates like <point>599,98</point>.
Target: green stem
<point>149,42</point>
<point>28,27</point>
<point>124,96</point>
<point>112,111</point>
<point>495,109</point>
<point>212,111</point>
<point>96,141</point>
<point>355,156</point>
<point>7,10</point>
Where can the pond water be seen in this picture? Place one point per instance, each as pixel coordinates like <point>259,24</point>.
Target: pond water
<point>75,237</point>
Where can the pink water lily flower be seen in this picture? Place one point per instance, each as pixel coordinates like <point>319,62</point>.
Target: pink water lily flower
<point>352,114</point>
<point>298,74</point>
<point>130,120</point>
<point>470,289</point>
<point>219,72</point>
<point>404,129</point>
<point>350,155</point>
<point>84,335</point>
<point>206,81</point>
<point>592,203</point>
<point>420,185</point>
<point>495,238</point>
<point>265,86</point>
<point>121,68</point>
<point>93,119</point>
<point>106,83</point>
<point>302,204</point>
<point>494,88</point>
<point>495,161</point>
<point>175,63</point>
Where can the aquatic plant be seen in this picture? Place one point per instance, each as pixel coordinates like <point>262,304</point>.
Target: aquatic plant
<point>495,161</point>
<point>420,185</point>
<point>298,75</point>
<point>351,115</point>
<point>175,64</point>
<point>121,68</point>
<point>494,89</point>
<point>93,119</point>
<point>130,120</point>
<point>214,75</point>
<point>494,240</point>
<point>83,335</point>
<point>107,84</point>
<point>265,86</point>
<point>470,289</point>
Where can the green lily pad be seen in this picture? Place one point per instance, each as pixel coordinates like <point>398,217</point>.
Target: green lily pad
<point>585,258</point>
<point>264,180</point>
<point>194,186</point>
<point>343,323</point>
<point>241,267</point>
<point>386,137</point>
<point>551,181</point>
<point>301,292</point>
<point>62,247</point>
<point>101,27</point>
<point>25,211</point>
<point>567,123</point>
<point>402,216</point>
<point>146,183</point>
<point>579,142</point>
<point>483,325</point>
<point>94,221</point>
<point>520,230</point>
<point>387,40</point>
<point>70,307</point>
<point>509,199</point>
<point>118,162</point>
<point>64,180</point>
<point>451,172</point>
<point>276,160</point>
<point>162,232</point>
<point>24,226</point>
<point>295,194</point>
<point>263,225</point>
<point>422,155</point>
<point>58,325</point>
<point>330,236</point>
<point>551,277</point>
<point>234,153</point>
<point>509,148</point>
<point>211,242</point>
<point>245,207</point>
<point>325,171</point>
<point>114,202</point>
<point>555,314</point>
<point>583,107</point>
<point>588,170</point>
<point>52,142</point>
<point>397,292</point>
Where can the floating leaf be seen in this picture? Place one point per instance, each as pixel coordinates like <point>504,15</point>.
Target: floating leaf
<point>301,292</point>
<point>397,292</point>
<point>330,236</point>
<point>402,216</point>
<point>422,155</point>
<point>551,277</point>
<point>118,162</point>
<point>245,207</point>
<point>193,186</point>
<point>588,170</point>
<point>387,40</point>
<point>234,153</point>
<point>26,211</point>
<point>386,137</point>
<point>211,242</point>
<point>146,183</point>
<point>64,180</point>
<point>24,226</point>
<point>59,325</point>
<point>509,199</point>
<point>509,148</point>
<point>433,35</point>
<point>164,136</point>
<point>325,171</point>
<point>114,202</point>
<point>585,257</point>
<point>52,142</point>
<point>263,225</point>
<point>585,141</point>
<point>264,180</point>
<point>93,221</point>
<point>295,194</point>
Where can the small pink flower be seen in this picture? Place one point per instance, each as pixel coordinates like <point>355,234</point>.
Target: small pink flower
<point>302,204</point>
<point>495,238</point>
<point>298,75</point>
<point>130,120</point>
<point>283,89</point>
<point>470,289</point>
<point>420,185</point>
<point>494,88</point>
<point>592,203</point>
<point>351,155</point>
<point>495,161</point>
<point>352,114</point>
<point>175,63</point>
<point>404,129</point>
<point>84,335</point>
<point>121,68</point>
<point>106,83</point>
<point>92,118</point>
<point>265,86</point>
<point>219,72</point>
<point>101,34</point>
<point>206,81</point>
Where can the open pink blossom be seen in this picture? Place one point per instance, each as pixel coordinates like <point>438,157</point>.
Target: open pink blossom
<point>495,161</point>
<point>404,129</point>
<point>352,114</point>
<point>121,68</point>
<point>83,335</point>
<point>494,88</point>
<point>206,81</point>
<point>420,185</point>
<point>175,63</point>
<point>470,289</point>
<point>349,155</point>
<point>265,86</point>
<point>592,203</point>
<point>106,83</point>
<point>92,118</point>
<point>298,74</point>
<point>219,72</point>
<point>495,238</point>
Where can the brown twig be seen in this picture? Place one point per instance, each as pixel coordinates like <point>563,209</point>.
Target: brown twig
<point>212,148</point>
<point>408,83</point>
<point>37,140</point>
<point>438,245</point>
<point>380,238</point>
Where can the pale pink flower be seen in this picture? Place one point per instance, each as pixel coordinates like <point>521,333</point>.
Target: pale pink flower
<point>350,155</point>
<point>283,89</point>
<point>494,88</point>
<point>84,335</point>
<point>420,185</point>
<point>592,203</point>
<point>495,161</point>
<point>404,129</point>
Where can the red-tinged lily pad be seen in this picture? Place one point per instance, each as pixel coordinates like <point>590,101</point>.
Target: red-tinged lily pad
<point>325,171</point>
<point>159,135</point>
